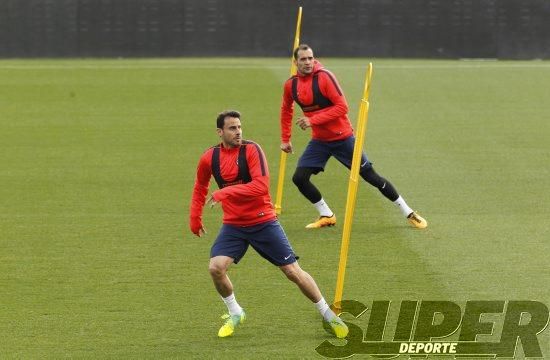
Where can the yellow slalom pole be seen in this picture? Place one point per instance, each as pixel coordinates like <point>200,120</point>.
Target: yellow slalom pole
<point>352,187</point>
<point>282,163</point>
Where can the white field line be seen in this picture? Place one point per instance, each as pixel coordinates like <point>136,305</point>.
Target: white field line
<point>458,65</point>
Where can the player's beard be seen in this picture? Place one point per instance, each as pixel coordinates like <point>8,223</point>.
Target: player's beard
<point>234,142</point>
<point>304,71</point>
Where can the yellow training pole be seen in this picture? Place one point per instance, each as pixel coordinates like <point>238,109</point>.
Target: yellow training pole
<point>352,187</point>
<point>282,163</point>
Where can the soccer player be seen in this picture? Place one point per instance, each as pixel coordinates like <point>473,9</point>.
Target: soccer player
<point>240,170</point>
<point>325,109</point>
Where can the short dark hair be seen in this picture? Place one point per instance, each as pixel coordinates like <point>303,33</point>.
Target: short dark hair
<point>300,47</point>
<point>220,121</point>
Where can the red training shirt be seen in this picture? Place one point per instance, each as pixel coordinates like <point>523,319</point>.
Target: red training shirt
<point>328,124</point>
<point>243,204</point>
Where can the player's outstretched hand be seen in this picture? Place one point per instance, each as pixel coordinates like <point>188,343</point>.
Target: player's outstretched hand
<point>211,202</point>
<point>197,228</point>
<point>287,147</point>
<point>201,232</point>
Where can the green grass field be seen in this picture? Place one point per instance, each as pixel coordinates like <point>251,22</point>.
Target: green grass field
<point>98,162</point>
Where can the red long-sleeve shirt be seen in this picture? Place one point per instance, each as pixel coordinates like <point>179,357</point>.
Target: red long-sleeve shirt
<point>327,124</point>
<point>243,204</point>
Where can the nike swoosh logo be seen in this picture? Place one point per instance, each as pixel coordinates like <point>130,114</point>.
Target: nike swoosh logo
<point>365,163</point>
<point>286,257</point>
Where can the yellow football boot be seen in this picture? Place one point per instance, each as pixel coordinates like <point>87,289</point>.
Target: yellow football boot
<point>417,221</point>
<point>322,222</point>
<point>336,327</point>
<point>231,321</point>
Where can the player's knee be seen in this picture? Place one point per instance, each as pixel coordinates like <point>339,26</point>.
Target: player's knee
<point>216,270</point>
<point>293,273</point>
<point>300,177</point>
<point>370,176</point>
<point>293,276</point>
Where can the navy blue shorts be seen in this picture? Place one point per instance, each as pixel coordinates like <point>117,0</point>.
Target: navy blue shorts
<point>268,239</point>
<point>318,152</point>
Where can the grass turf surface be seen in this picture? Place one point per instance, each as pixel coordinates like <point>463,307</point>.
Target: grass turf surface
<point>98,163</point>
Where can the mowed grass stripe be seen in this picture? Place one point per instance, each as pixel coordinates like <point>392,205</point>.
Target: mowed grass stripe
<point>98,165</point>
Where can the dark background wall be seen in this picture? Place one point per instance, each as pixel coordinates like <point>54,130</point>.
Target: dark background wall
<point>514,29</point>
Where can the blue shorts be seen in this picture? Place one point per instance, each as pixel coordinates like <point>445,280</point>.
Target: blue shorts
<point>268,239</point>
<point>318,152</point>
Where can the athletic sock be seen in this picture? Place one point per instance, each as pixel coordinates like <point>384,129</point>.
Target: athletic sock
<point>324,309</point>
<point>402,205</point>
<point>329,315</point>
<point>232,306</point>
<point>323,208</point>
